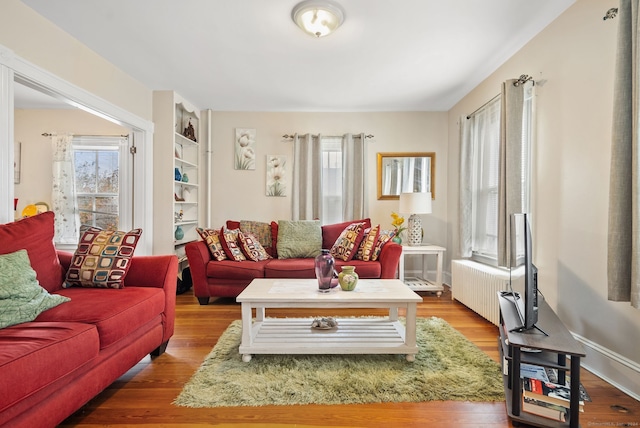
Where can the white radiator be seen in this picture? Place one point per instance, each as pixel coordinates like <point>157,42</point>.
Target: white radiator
<point>476,286</point>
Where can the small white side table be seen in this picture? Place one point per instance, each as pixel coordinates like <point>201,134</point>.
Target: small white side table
<point>422,284</point>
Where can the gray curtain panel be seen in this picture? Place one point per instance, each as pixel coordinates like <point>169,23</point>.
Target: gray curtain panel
<point>354,204</point>
<point>466,188</point>
<point>623,260</point>
<point>510,177</point>
<point>307,177</point>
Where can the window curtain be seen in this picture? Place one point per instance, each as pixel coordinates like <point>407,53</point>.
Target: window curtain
<point>466,188</point>
<point>63,193</point>
<point>354,204</point>
<point>623,258</point>
<point>510,177</point>
<point>307,177</point>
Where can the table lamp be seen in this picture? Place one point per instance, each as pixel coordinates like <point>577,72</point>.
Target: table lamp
<point>415,204</point>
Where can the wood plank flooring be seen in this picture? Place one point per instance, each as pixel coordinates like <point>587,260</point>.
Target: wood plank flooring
<point>143,396</point>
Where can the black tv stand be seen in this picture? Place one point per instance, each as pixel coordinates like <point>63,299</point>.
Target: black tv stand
<point>552,350</point>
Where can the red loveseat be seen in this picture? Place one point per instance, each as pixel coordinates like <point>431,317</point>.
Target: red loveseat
<point>227,278</point>
<point>52,366</point>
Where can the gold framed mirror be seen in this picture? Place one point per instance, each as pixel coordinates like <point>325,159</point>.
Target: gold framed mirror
<point>406,172</point>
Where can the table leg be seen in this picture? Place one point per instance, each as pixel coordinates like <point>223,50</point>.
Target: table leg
<point>393,313</point>
<point>246,328</point>
<point>401,267</point>
<point>410,329</point>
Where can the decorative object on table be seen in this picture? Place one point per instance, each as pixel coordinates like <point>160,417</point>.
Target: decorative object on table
<point>179,233</point>
<point>276,180</point>
<point>176,174</point>
<point>245,155</point>
<point>324,323</point>
<point>415,204</point>
<point>348,278</point>
<point>448,367</point>
<point>324,267</point>
<point>398,227</point>
<point>185,178</point>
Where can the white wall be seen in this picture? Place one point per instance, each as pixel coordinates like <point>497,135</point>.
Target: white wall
<point>240,195</point>
<point>36,171</point>
<point>37,40</point>
<point>572,62</point>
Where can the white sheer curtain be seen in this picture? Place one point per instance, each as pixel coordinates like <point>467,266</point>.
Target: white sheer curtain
<point>63,194</point>
<point>623,258</point>
<point>307,177</point>
<point>354,200</point>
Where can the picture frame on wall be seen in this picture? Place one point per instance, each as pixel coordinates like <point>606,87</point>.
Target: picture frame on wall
<point>276,175</point>
<point>244,149</point>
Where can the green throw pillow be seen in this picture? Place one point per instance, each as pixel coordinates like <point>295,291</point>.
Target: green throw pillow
<point>301,238</point>
<point>22,298</point>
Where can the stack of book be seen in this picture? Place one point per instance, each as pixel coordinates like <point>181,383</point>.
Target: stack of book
<point>546,399</point>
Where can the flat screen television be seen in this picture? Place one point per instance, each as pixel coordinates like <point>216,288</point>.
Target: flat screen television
<point>523,273</point>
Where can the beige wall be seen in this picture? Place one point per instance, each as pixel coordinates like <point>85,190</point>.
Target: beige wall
<point>240,195</point>
<point>572,61</point>
<point>36,171</point>
<point>40,42</point>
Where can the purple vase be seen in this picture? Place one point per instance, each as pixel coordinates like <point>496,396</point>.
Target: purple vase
<point>325,267</point>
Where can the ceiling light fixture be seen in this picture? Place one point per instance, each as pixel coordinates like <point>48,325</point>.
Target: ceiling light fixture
<point>318,17</point>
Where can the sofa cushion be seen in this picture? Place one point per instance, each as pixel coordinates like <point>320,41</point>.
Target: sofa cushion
<point>127,309</point>
<point>384,237</point>
<point>290,268</point>
<point>251,247</point>
<point>103,258</point>
<point>368,243</point>
<point>301,238</point>
<point>228,269</point>
<point>331,232</point>
<point>261,230</point>
<point>348,242</point>
<point>22,299</point>
<point>214,243</point>
<point>34,355</point>
<point>229,241</point>
<point>35,234</point>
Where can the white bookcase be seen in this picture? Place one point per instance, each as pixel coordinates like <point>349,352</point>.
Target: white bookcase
<point>177,157</point>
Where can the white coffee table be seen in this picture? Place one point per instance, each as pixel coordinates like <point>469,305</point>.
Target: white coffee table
<point>361,335</point>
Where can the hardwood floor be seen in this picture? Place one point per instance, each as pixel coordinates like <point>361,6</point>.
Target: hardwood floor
<point>143,396</point>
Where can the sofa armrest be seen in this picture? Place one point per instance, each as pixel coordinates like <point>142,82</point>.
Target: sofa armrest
<point>160,271</point>
<point>389,260</point>
<point>198,255</point>
<point>65,259</point>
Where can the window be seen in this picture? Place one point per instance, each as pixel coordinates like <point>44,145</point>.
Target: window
<point>484,135</point>
<point>331,179</point>
<point>97,163</point>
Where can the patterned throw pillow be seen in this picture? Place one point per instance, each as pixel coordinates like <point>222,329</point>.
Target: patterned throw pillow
<point>260,230</point>
<point>299,238</point>
<point>384,237</point>
<point>229,242</point>
<point>368,244</point>
<point>251,247</point>
<point>347,243</point>
<point>212,238</point>
<point>103,258</point>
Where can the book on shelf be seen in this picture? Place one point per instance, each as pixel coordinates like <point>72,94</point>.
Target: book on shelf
<point>548,392</point>
<point>544,409</point>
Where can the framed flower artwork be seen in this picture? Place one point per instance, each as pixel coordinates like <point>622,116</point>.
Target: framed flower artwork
<point>276,175</point>
<point>244,149</point>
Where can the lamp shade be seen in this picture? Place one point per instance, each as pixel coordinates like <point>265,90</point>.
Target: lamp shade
<point>415,203</point>
<point>318,17</point>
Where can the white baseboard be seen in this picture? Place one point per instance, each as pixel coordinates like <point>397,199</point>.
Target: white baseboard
<point>615,369</point>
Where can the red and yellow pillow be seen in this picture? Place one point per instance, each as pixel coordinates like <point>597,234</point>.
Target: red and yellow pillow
<point>212,238</point>
<point>368,244</point>
<point>347,243</point>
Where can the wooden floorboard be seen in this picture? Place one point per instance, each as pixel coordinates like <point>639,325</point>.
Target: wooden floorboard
<point>142,397</point>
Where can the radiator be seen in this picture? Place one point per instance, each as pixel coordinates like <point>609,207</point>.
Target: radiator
<point>476,286</point>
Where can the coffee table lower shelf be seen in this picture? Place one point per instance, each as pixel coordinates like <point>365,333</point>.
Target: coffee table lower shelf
<point>352,336</point>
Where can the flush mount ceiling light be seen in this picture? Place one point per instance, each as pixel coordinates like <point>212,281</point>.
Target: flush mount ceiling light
<point>318,17</point>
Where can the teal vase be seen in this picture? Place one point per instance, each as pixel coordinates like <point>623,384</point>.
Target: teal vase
<point>179,233</point>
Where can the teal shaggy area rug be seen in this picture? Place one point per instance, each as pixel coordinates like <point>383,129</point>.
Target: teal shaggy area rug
<point>447,367</point>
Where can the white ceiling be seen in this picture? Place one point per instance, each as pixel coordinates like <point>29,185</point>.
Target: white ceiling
<point>248,55</point>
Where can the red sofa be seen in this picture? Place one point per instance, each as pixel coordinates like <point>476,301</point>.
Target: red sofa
<point>52,366</point>
<point>227,278</point>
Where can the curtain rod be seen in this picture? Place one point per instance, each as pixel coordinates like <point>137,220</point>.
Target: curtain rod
<point>289,137</point>
<point>524,78</point>
<point>46,134</point>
